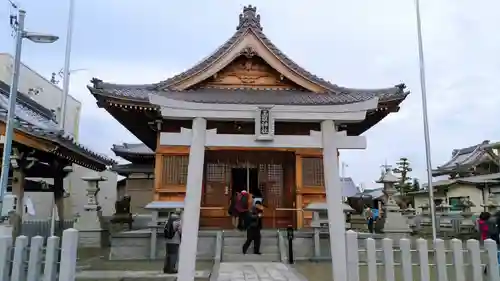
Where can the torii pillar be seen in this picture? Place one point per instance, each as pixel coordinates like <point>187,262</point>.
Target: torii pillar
<point>331,142</point>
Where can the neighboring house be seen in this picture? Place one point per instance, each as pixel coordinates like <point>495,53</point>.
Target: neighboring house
<point>473,174</point>
<point>42,91</point>
<point>48,96</point>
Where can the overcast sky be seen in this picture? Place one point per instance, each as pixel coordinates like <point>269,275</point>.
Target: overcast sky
<point>360,44</point>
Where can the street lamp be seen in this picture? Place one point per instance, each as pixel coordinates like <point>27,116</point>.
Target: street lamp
<point>20,35</point>
<point>40,37</point>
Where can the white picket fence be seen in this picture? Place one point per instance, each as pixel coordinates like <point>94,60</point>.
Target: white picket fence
<point>35,261</point>
<point>426,261</point>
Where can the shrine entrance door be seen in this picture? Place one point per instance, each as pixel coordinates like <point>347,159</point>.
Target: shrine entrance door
<point>266,174</point>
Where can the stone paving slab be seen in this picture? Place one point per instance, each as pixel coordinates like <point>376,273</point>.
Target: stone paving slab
<point>257,271</point>
<point>116,274</point>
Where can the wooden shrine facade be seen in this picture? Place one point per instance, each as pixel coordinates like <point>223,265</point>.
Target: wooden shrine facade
<point>228,95</point>
<point>288,179</point>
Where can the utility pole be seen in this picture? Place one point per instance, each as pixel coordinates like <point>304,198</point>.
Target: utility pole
<point>64,98</point>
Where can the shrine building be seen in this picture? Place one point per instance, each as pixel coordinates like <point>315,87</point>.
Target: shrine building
<point>246,117</point>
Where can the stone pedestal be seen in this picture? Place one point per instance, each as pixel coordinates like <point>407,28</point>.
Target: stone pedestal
<point>396,225</point>
<point>89,221</point>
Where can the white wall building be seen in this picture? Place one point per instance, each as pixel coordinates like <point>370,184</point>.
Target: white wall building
<point>49,95</point>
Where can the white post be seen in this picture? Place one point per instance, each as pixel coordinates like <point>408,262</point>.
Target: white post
<point>69,247</point>
<point>458,259</point>
<point>5,245</point>
<point>334,201</point>
<point>423,258</point>
<point>18,269</point>
<point>352,255</point>
<point>154,235</point>
<point>317,245</point>
<point>35,259</point>
<point>191,215</point>
<point>51,253</point>
<point>475,259</point>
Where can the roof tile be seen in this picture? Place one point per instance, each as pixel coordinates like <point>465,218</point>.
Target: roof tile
<point>249,21</point>
<point>37,123</point>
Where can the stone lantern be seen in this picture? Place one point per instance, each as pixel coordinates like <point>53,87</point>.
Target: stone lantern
<point>89,221</point>
<point>443,208</point>
<point>395,223</point>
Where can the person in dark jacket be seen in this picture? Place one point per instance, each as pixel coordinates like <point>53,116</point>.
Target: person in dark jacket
<point>253,229</point>
<point>493,223</point>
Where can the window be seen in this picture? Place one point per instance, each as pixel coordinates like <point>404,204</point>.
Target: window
<point>457,203</point>
<point>312,171</point>
<point>175,169</point>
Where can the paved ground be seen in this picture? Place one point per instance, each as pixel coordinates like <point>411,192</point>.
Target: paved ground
<point>322,271</point>
<point>251,271</point>
<point>132,275</point>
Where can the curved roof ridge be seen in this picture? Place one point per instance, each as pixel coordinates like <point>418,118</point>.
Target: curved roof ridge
<point>473,152</point>
<point>249,21</point>
<point>99,84</point>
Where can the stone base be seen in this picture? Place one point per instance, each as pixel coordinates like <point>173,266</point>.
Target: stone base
<point>88,220</point>
<point>134,245</point>
<point>395,222</point>
<point>397,235</point>
<point>90,238</point>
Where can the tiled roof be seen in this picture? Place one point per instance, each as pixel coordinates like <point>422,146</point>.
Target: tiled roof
<point>479,181</point>
<point>249,22</point>
<point>373,193</point>
<point>133,148</point>
<point>252,96</point>
<point>133,168</point>
<point>34,119</point>
<point>466,158</point>
<point>349,189</point>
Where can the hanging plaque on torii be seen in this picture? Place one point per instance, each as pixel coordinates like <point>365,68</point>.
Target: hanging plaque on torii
<point>264,124</point>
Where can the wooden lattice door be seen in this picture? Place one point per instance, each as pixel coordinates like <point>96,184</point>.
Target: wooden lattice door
<point>271,178</point>
<point>215,199</point>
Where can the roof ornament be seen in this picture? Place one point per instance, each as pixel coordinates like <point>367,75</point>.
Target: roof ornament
<point>248,52</point>
<point>96,83</point>
<point>249,18</point>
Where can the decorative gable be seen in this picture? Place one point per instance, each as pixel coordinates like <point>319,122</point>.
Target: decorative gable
<point>248,71</point>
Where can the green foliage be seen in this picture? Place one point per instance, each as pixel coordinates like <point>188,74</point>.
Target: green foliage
<point>405,183</point>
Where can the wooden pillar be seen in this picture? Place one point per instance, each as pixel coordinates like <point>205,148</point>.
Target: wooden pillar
<point>298,191</point>
<point>158,177</point>
<point>18,180</point>
<point>288,192</point>
<point>59,199</point>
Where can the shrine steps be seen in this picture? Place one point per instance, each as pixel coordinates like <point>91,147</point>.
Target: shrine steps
<point>232,247</point>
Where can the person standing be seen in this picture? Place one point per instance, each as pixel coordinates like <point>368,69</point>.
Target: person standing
<point>483,226</point>
<point>254,226</point>
<point>232,209</point>
<point>241,206</point>
<point>369,218</point>
<point>173,235</point>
